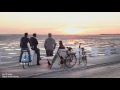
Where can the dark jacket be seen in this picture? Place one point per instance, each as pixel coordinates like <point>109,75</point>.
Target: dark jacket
<point>24,42</point>
<point>61,47</point>
<point>34,41</point>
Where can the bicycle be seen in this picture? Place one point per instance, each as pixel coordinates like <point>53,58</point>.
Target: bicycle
<point>70,59</point>
<point>25,59</point>
<point>82,58</point>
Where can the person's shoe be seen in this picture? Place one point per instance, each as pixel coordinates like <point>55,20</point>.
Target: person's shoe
<point>49,63</point>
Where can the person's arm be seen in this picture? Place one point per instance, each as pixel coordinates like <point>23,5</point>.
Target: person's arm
<point>36,41</point>
<point>30,43</point>
<point>20,43</point>
<point>45,44</point>
<point>55,44</point>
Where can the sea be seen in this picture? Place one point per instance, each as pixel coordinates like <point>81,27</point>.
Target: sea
<point>10,43</point>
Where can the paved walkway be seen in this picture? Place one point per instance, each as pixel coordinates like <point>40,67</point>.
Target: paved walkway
<point>16,69</point>
<point>108,71</point>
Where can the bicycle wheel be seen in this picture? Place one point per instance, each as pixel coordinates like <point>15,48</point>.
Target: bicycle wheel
<point>70,61</point>
<point>85,60</point>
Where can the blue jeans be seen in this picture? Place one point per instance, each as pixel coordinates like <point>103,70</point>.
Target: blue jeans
<point>22,53</point>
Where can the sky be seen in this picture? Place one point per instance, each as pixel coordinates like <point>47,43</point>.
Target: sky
<point>79,23</point>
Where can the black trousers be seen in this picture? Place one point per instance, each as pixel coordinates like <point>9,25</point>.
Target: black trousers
<point>49,53</point>
<point>37,51</point>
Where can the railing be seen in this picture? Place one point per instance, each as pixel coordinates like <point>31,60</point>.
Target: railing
<point>107,50</point>
<point>95,51</point>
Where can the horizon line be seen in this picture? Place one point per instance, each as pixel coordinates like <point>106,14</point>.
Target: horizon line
<point>59,34</point>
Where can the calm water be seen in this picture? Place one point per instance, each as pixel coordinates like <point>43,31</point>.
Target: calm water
<point>9,44</point>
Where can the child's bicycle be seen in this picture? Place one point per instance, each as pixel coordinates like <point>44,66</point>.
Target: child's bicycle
<point>82,56</point>
<point>25,59</point>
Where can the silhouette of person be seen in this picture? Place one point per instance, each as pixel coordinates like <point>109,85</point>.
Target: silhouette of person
<point>49,45</point>
<point>34,42</point>
<point>61,46</point>
<point>24,46</point>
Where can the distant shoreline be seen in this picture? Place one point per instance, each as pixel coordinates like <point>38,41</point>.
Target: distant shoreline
<point>65,34</point>
<point>109,34</point>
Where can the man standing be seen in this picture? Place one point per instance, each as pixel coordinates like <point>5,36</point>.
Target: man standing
<point>23,45</point>
<point>34,42</point>
<point>49,45</point>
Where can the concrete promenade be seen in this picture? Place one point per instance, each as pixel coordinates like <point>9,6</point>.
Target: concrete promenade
<point>15,70</point>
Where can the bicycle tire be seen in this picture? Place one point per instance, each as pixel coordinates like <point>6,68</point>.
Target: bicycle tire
<point>68,60</point>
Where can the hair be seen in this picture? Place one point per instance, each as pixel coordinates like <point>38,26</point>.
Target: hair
<point>34,34</point>
<point>49,35</point>
<point>82,49</point>
<point>26,34</point>
<point>60,42</point>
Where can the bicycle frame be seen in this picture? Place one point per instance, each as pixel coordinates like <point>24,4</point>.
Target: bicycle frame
<point>67,54</point>
<point>83,54</point>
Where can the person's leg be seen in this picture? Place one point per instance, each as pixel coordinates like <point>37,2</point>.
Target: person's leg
<point>29,54</point>
<point>51,52</point>
<point>38,54</point>
<point>21,55</point>
<point>48,54</point>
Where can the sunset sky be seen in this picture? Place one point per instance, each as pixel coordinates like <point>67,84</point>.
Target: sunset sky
<point>60,22</point>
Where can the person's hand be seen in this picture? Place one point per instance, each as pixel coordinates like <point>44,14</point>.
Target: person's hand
<point>32,48</point>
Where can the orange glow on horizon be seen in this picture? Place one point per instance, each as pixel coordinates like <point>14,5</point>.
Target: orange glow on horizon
<point>72,23</point>
<point>71,30</point>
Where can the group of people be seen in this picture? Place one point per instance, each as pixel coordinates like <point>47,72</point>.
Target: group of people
<point>49,45</point>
